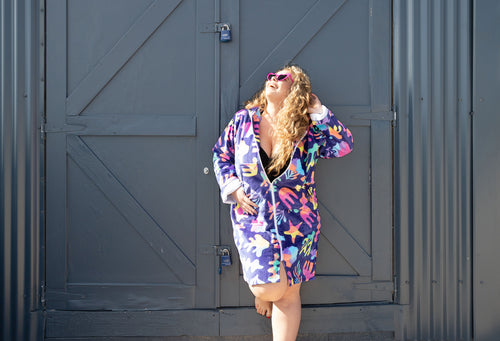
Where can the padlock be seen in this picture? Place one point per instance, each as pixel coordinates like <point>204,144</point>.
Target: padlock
<point>225,33</point>
<point>225,259</point>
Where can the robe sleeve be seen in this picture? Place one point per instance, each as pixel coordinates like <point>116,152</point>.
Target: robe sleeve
<point>334,139</point>
<point>223,159</point>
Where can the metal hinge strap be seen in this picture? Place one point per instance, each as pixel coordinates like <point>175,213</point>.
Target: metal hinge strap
<point>377,116</point>
<point>43,294</point>
<point>43,131</point>
<point>214,27</point>
<point>395,289</point>
<point>222,249</point>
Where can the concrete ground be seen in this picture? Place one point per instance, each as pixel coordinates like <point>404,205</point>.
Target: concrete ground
<point>368,336</point>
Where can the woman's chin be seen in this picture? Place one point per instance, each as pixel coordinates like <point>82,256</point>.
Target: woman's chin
<point>274,96</point>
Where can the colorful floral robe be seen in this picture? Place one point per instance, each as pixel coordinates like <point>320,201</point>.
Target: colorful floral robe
<point>287,224</point>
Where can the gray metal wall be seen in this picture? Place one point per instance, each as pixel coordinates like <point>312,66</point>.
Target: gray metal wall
<point>21,83</point>
<point>486,170</point>
<point>432,96</point>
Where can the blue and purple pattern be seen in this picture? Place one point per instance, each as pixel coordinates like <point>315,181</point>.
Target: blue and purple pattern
<point>287,224</point>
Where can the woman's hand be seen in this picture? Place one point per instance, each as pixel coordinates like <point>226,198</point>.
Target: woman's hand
<point>314,105</point>
<point>244,201</point>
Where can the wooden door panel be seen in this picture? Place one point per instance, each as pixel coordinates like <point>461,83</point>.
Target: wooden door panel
<point>86,49</point>
<point>345,47</point>
<point>115,59</point>
<point>125,228</point>
<point>304,23</point>
<point>99,233</point>
<point>133,210</point>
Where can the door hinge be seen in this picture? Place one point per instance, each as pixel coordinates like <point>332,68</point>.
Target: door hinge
<point>43,290</point>
<point>222,249</point>
<point>46,128</point>
<point>386,286</point>
<point>216,250</point>
<point>394,118</point>
<point>43,131</point>
<point>395,289</point>
<point>376,116</point>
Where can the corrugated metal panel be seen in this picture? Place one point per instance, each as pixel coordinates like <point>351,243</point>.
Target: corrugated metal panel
<point>432,96</point>
<point>20,103</point>
<point>486,170</point>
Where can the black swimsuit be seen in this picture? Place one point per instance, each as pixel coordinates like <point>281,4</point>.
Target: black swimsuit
<point>266,160</point>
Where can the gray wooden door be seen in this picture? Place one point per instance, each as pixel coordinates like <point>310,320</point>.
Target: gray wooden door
<point>345,45</point>
<point>131,120</point>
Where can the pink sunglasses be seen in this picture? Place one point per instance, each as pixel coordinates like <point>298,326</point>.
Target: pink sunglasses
<point>279,77</point>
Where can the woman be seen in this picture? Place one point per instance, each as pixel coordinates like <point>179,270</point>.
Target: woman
<point>264,163</point>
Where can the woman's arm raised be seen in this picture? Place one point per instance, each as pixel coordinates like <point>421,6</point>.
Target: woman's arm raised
<point>334,138</point>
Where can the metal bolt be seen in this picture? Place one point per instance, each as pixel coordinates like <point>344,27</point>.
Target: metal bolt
<point>206,170</point>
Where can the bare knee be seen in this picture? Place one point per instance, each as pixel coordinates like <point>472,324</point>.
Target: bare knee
<point>291,297</point>
<point>270,292</point>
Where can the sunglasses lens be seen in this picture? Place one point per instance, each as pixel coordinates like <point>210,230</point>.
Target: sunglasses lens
<point>280,77</point>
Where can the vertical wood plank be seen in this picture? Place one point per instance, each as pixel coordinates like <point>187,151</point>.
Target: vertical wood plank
<point>56,145</point>
<point>380,55</point>
<point>205,183</point>
<point>229,101</point>
<point>381,186</point>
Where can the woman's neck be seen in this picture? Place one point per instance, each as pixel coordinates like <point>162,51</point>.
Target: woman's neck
<point>272,109</point>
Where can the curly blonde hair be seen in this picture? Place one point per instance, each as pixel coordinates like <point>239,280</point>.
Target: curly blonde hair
<point>292,119</point>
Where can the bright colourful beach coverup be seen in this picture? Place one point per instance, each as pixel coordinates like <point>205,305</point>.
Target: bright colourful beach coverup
<point>287,224</point>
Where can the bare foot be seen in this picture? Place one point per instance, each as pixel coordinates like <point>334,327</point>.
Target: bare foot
<point>264,308</point>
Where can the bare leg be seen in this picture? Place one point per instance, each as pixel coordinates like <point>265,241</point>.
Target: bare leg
<point>287,311</point>
<point>286,306</point>
<point>265,294</point>
<point>286,315</point>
